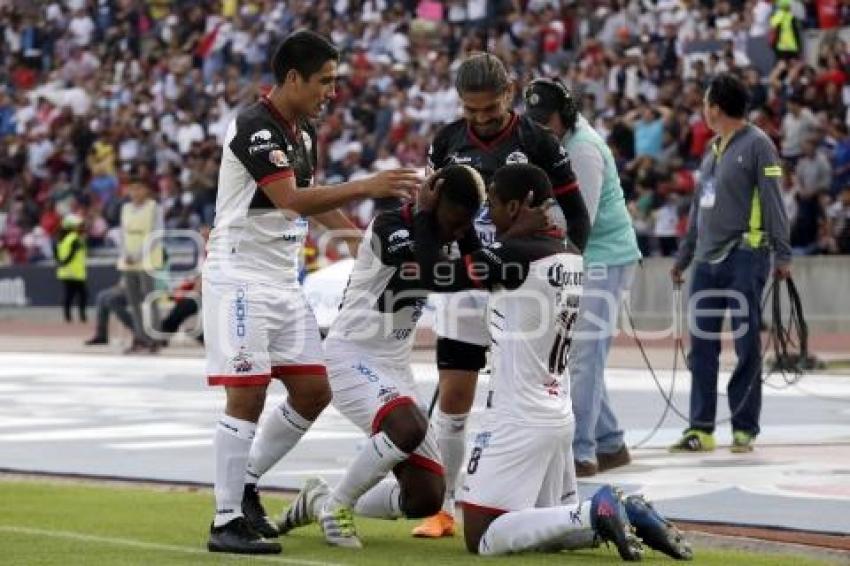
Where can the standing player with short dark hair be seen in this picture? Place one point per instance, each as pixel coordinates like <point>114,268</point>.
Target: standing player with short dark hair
<point>488,136</point>
<point>257,323</point>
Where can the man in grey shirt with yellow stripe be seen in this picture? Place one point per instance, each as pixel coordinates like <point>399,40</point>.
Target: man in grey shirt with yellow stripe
<point>736,221</point>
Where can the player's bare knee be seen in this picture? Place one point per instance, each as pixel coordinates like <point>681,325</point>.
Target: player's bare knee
<point>406,426</point>
<point>310,397</point>
<point>245,403</point>
<point>457,392</point>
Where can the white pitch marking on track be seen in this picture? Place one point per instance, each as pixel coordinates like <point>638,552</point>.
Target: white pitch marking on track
<point>154,546</point>
<point>160,429</point>
<point>164,445</point>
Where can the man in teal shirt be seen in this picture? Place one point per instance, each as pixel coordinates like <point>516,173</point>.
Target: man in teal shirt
<point>610,259</point>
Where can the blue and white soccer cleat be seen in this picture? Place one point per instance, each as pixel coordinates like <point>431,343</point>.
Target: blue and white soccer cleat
<point>610,523</point>
<point>655,530</point>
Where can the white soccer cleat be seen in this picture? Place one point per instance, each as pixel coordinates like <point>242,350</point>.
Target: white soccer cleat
<point>306,506</point>
<point>338,526</point>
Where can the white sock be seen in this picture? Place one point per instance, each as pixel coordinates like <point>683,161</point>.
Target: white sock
<point>233,439</point>
<point>377,458</point>
<point>451,437</point>
<point>534,529</point>
<point>280,432</point>
<point>381,502</point>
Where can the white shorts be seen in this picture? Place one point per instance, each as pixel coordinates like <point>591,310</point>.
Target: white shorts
<point>513,467</point>
<point>462,316</point>
<point>254,332</point>
<point>365,392</point>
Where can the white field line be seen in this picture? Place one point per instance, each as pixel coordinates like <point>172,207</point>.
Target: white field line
<point>130,543</point>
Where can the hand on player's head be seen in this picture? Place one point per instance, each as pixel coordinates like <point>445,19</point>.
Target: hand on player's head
<point>429,193</point>
<point>394,183</point>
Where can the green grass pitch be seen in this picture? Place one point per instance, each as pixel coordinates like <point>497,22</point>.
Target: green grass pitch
<point>58,523</point>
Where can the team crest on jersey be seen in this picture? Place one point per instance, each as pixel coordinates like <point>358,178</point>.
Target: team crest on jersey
<point>308,141</point>
<point>242,362</point>
<point>261,136</point>
<point>516,157</point>
<point>278,158</point>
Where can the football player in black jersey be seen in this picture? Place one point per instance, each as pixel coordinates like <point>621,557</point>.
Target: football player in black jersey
<point>489,136</point>
<point>257,322</point>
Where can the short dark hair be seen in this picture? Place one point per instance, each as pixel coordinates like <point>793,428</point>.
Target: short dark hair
<point>515,181</point>
<point>303,51</point>
<point>482,72</point>
<point>462,185</point>
<point>730,94</point>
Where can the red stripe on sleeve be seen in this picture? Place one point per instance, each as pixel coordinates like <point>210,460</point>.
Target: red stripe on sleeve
<point>470,271</point>
<point>564,189</point>
<point>285,174</point>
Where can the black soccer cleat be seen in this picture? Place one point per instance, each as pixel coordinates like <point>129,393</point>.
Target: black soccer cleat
<point>238,537</point>
<point>655,530</point>
<point>611,523</point>
<point>255,514</point>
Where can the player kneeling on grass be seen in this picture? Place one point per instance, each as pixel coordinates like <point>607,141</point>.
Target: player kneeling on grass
<point>368,351</point>
<point>522,458</point>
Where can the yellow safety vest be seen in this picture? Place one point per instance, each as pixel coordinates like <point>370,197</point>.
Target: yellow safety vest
<point>137,224</point>
<point>74,270</point>
<point>783,22</point>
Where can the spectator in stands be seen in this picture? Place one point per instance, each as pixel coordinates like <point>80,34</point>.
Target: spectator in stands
<point>840,157</point>
<point>798,125</point>
<point>151,81</point>
<point>814,173</point>
<point>71,265</point>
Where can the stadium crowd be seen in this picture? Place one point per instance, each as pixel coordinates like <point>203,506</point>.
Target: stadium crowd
<point>96,91</point>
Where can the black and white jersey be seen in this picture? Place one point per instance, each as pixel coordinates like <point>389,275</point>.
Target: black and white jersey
<point>251,238</point>
<point>383,299</point>
<point>522,141</point>
<point>535,285</point>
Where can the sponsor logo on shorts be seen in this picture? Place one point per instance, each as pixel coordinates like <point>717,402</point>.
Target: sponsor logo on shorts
<point>482,439</point>
<point>575,516</point>
<point>242,362</point>
<point>387,393</point>
<point>366,372</point>
<point>241,312</point>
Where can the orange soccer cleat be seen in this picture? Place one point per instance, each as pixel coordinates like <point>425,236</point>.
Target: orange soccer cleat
<point>440,525</point>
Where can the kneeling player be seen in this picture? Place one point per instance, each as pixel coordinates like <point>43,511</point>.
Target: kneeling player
<point>521,459</point>
<point>368,358</point>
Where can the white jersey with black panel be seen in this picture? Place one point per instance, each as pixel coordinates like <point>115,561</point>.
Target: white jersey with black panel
<point>383,299</point>
<point>252,239</point>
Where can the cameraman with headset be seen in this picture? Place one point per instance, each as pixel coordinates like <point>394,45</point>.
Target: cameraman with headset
<point>610,259</point>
